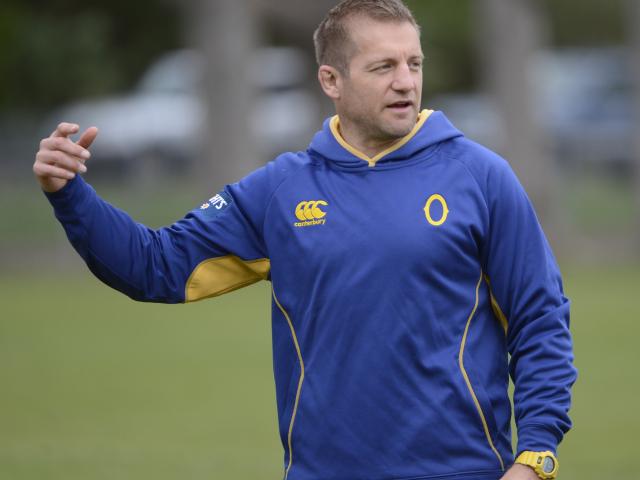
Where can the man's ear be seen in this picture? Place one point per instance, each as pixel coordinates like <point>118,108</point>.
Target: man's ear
<point>331,81</point>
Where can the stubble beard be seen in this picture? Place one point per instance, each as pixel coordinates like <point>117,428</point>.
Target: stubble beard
<point>389,131</point>
<point>380,128</point>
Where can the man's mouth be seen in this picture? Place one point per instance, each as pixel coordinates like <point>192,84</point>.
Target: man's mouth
<point>401,105</point>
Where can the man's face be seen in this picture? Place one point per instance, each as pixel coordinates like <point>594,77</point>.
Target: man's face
<point>380,94</point>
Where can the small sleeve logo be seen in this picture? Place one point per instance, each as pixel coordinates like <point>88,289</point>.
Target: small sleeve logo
<point>215,205</point>
<point>436,210</point>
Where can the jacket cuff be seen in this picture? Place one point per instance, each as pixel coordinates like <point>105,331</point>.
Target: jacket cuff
<point>536,438</point>
<point>69,198</point>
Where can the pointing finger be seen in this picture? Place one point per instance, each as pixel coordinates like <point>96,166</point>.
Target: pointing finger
<point>87,137</point>
<point>65,129</point>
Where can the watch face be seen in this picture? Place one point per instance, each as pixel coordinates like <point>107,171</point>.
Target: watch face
<point>548,465</point>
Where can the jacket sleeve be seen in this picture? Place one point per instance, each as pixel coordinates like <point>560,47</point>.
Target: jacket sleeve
<point>526,283</point>
<point>216,248</point>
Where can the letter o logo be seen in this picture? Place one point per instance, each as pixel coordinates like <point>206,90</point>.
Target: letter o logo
<point>445,210</point>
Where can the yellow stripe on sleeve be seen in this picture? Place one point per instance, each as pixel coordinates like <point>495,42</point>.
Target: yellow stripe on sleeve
<point>496,307</point>
<point>216,276</point>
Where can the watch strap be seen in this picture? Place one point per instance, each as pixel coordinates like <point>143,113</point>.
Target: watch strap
<point>535,460</point>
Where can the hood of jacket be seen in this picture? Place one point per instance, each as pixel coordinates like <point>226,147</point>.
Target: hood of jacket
<point>432,128</point>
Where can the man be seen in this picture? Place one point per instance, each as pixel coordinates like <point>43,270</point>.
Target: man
<point>406,264</point>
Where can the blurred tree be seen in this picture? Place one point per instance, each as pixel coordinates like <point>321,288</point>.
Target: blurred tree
<point>586,22</point>
<point>52,52</point>
<point>633,28</point>
<point>300,18</point>
<point>509,32</point>
<point>226,31</point>
<point>448,35</point>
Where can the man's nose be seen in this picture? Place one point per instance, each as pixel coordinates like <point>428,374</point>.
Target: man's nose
<point>403,79</point>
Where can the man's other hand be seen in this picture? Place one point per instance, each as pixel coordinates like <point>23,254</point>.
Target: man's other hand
<point>60,159</point>
<point>520,472</point>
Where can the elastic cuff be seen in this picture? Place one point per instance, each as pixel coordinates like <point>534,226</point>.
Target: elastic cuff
<point>536,438</point>
<point>64,191</point>
<point>71,197</point>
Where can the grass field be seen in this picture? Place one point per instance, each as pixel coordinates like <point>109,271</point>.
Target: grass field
<point>95,386</point>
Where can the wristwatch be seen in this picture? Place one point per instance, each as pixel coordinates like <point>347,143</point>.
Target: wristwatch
<point>545,464</point>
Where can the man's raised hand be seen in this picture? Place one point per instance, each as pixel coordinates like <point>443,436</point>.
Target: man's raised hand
<point>60,158</point>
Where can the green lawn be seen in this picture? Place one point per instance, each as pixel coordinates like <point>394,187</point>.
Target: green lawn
<point>606,325</point>
<point>95,386</point>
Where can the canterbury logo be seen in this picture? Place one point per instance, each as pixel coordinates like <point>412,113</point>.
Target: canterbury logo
<point>310,213</point>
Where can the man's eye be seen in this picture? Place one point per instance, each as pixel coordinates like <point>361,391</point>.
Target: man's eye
<point>382,68</point>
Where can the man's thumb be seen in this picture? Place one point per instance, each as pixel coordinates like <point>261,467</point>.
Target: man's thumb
<point>87,137</point>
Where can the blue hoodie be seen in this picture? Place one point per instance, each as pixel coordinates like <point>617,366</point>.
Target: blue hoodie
<point>401,285</point>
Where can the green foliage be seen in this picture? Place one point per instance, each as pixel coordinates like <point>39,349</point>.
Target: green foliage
<point>56,51</point>
<point>447,37</point>
<point>61,50</point>
<point>587,22</point>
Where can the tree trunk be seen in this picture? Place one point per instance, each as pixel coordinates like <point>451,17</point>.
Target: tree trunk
<point>226,32</point>
<point>509,33</point>
<point>633,16</point>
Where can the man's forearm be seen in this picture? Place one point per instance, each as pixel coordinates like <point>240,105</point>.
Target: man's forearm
<point>123,254</point>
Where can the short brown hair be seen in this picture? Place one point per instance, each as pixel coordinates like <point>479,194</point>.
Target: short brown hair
<point>331,38</point>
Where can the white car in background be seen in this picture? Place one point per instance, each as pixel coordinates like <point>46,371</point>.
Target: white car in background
<point>160,124</point>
